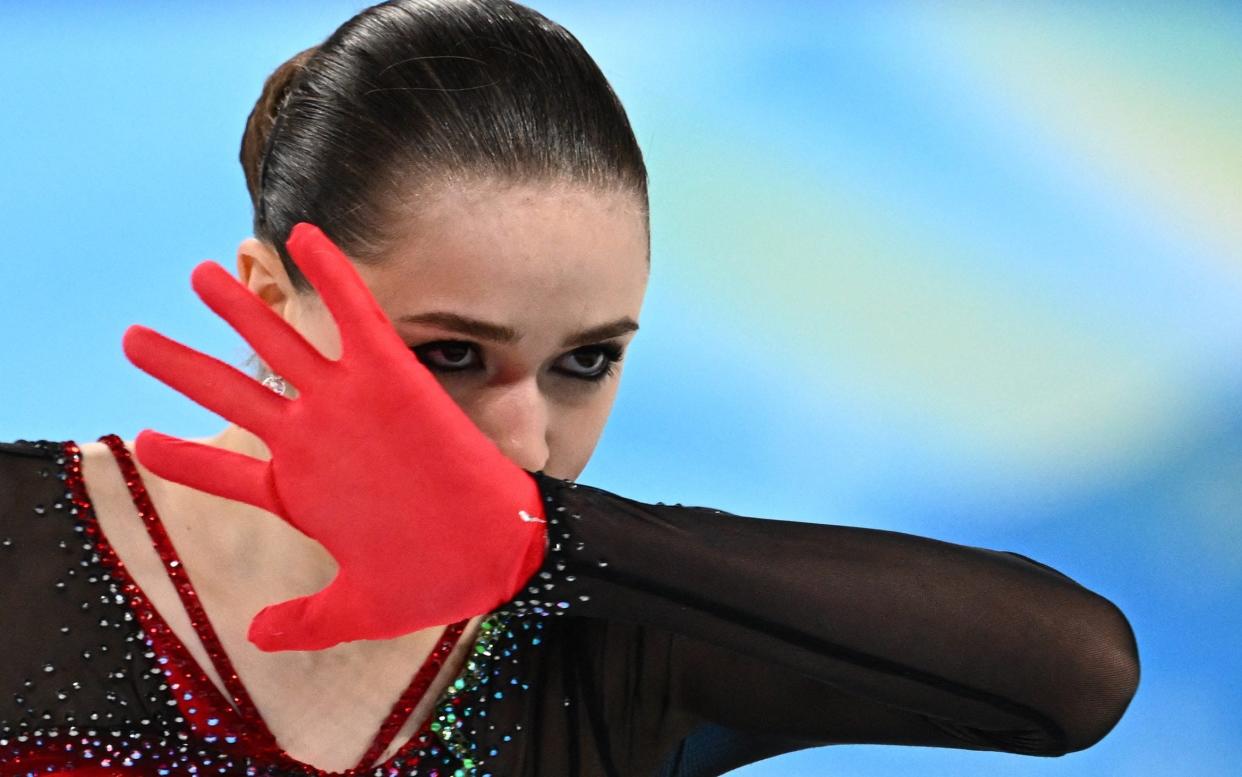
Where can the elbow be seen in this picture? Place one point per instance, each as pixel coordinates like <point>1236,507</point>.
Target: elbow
<point>1095,693</point>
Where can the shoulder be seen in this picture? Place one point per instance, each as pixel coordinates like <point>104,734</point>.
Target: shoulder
<point>18,451</point>
<point>29,466</point>
<point>42,495</point>
<point>37,476</point>
<point>45,461</point>
<point>36,509</point>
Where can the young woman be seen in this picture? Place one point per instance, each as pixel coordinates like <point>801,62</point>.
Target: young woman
<point>440,597</point>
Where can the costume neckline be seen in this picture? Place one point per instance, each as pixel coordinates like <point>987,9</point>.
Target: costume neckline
<point>198,698</point>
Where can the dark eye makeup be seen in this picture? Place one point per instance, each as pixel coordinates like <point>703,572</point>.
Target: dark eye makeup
<point>450,356</point>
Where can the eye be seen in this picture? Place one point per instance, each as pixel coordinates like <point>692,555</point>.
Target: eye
<point>591,363</point>
<point>446,355</point>
<point>599,361</point>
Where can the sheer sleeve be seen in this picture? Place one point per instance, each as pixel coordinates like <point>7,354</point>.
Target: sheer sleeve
<point>811,634</point>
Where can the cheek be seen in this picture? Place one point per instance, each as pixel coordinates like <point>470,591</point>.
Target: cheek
<point>577,430</point>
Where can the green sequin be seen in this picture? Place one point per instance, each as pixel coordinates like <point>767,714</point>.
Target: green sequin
<point>491,632</point>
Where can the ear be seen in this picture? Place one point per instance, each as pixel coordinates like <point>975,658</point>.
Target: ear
<point>259,268</point>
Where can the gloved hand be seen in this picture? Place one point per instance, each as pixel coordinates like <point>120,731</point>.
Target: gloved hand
<point>428,520</point>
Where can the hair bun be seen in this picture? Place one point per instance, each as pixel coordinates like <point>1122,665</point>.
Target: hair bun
<point>259,123</point>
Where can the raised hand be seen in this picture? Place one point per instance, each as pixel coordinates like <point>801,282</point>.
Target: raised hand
<point>428,520</point>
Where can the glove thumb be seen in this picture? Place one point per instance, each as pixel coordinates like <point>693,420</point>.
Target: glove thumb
<point>312,622</point>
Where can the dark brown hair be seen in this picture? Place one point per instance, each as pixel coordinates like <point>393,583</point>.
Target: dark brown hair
<point>409,93</point>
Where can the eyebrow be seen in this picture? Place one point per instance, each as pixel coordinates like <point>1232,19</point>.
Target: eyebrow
<point>504,334</point>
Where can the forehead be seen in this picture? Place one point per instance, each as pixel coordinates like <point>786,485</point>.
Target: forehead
<point>508,252</point>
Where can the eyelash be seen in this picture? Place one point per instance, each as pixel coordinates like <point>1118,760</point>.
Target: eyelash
<point>611,351</point>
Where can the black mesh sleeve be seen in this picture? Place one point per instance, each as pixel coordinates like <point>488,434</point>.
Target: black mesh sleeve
<point>817,634</point>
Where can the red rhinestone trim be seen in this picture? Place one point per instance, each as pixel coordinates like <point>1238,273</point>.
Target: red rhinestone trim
<point>181,581</point>
<point>184,675</point>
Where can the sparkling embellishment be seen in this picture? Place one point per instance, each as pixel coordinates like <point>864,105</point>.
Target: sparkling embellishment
<point>275,383</point>
<point>201,732</point>
<point>150,706</point>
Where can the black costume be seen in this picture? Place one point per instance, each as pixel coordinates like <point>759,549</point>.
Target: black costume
<point>656,641</point>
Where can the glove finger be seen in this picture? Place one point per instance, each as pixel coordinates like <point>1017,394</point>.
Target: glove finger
<point>280,345</point>
<point>214,470</point>
<point>360,320</point>
<point>217,386</point>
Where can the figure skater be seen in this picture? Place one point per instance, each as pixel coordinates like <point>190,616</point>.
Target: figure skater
<point>383,565</point>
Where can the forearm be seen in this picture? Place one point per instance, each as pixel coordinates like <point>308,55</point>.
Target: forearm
<point>978,640</point>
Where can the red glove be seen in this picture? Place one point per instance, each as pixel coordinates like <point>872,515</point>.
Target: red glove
<point>428,520</point>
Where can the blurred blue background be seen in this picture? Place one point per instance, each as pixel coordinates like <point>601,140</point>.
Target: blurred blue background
<point>972,271</point>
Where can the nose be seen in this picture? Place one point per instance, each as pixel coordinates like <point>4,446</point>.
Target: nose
<point>515,417</point>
